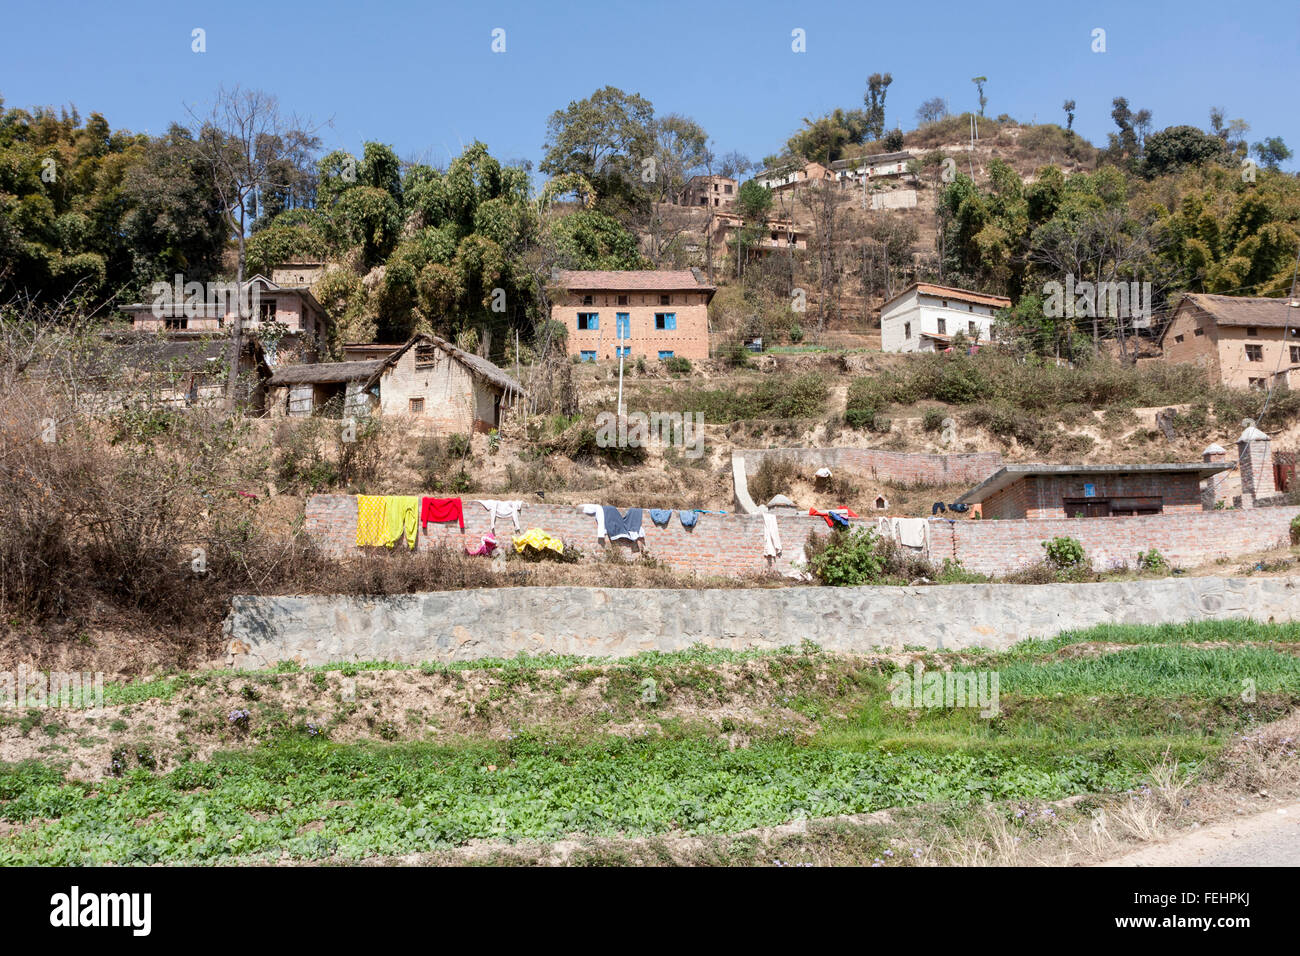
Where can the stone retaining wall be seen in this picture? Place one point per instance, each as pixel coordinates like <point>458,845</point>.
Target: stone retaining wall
<point>608,622</point>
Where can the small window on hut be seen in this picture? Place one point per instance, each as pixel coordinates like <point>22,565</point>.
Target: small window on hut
<point>426,356</point>
<point>416,406</point>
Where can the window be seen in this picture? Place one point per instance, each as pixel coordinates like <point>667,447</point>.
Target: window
<point>907,330</point>
<point>1178,338</point>
<point>665,300</point>
<point>970,327</point>
<point>1198,332</point>
<point>622,325</point>
<point>176,323</point>
<point>587,355</point>
<point>1252,332</point>
<point>416,406</point>
<point>588,321</point>
<point>1255,383</point>
<point>1086,507</point>
<point>664,355</point>
<point>944,303</point>
<point>943,326</point>
<point>1295,354</point>
<point>426,356</point>
<point>727,189</point>
<point>587,300</point>
<point>622,300</point>
<point>1255,353</point>
<point>666,320</point>
<point>622,351</point>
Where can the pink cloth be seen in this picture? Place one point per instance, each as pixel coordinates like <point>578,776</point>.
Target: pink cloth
<point>487,546</point>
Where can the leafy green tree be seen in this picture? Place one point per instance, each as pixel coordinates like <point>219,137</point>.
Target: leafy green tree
<point>1271,152</point>
<point>604,139</point>
<point>874,100</point>
<point>1178,147</point>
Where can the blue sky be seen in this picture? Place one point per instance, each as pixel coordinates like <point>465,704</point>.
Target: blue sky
<point>421,76</point>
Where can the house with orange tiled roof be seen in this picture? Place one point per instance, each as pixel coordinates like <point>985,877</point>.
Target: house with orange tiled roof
<point>652,314</point>
<point>1240,341</point>
<point>924,317</point>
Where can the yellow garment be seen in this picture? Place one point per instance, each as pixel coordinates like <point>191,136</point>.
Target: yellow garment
<point>539,539</point>
<point>400,518</point>
<point>370,521</point>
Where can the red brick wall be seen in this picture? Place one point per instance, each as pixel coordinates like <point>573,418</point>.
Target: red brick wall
<point>732,544</point>
<point>1043,496</point>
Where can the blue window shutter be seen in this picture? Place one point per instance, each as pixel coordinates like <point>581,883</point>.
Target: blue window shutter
<point>672,320</point>
<point>593,320</point>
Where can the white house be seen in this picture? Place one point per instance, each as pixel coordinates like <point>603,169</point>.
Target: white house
<point>924,317</point>
<point>870,167</point>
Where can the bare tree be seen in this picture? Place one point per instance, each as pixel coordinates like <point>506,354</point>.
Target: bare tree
<point>825,203</point>
<point>246,146</point>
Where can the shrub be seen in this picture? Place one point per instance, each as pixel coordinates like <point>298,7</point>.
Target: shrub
<point>678,365</point>
<point>773,476</point>
<point>1064,553</point>
<point>1295,530</point>
<point>1153,560</point>
<point>932,420</point>
<point>846,558</point>
<point>863,403</point>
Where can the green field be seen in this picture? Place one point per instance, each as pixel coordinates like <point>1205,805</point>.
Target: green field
<point>1069,723</point>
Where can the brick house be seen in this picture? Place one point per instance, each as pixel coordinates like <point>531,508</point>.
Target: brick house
<point>717,191</point>
<point>924,317</point>
<point>1240,341</point>
<point>781,234</point>
<point>177,370</point>
<point>1092,491</point>
<point>650,313</point>
<point>305,321</point>
<point>449,391</point>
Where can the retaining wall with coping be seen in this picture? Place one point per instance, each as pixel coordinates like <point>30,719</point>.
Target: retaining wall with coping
<point>610,622</point>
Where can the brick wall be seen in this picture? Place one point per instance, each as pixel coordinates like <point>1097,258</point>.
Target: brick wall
<point>902,468</point>
<point>1043,496</point>
<point>732,544</point>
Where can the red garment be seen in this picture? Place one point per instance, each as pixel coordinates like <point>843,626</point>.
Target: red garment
<point>830,522</point>
<point>441,509</point>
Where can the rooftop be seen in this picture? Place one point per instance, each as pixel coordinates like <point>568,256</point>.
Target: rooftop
<point>1235,310</point>
<point>948,292</point>
<point>1010,474</point>
<point>634,280</point>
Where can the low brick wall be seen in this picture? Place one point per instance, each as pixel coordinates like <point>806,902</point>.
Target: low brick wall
<point>994,547</point>
<point>901,468</point>
<point>607,622</point>
<point>732,545</point>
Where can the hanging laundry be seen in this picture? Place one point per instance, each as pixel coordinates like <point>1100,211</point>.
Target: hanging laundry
<point>486,546</point>
<point>937,508</point>
<point>599,512</point>
<point>771,536</point>
<point>400,519</point>
<point>833,517</point>
<point>539,540</point>
<point>661,517</point>
<point>959,506</point>
<point>370,521</point>
<point>688,518</point>
<point>438,510</point>
<point>913,532</point>
<point>623,525</point>
<point>502,509</point>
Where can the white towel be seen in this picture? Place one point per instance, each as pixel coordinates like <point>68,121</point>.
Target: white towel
<point>771,536</point>
<point>912,532</point>
<point>599,512</point>
<point>502,509</point>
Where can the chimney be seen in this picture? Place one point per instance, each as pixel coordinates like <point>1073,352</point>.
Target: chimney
<point>1212,493</point>
<point>1255,462</point>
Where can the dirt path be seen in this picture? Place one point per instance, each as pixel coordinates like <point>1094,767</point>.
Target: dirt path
<point>1271,838</point>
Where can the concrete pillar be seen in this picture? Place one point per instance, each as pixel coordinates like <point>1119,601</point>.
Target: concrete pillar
<point>1212,493</point>
<point>1255,462</point>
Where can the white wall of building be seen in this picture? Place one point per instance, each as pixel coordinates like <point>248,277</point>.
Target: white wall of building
<point>903,321</point>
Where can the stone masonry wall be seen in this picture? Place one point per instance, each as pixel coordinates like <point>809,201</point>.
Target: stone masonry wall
<point>903,468</point>
<point>608,622</point>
